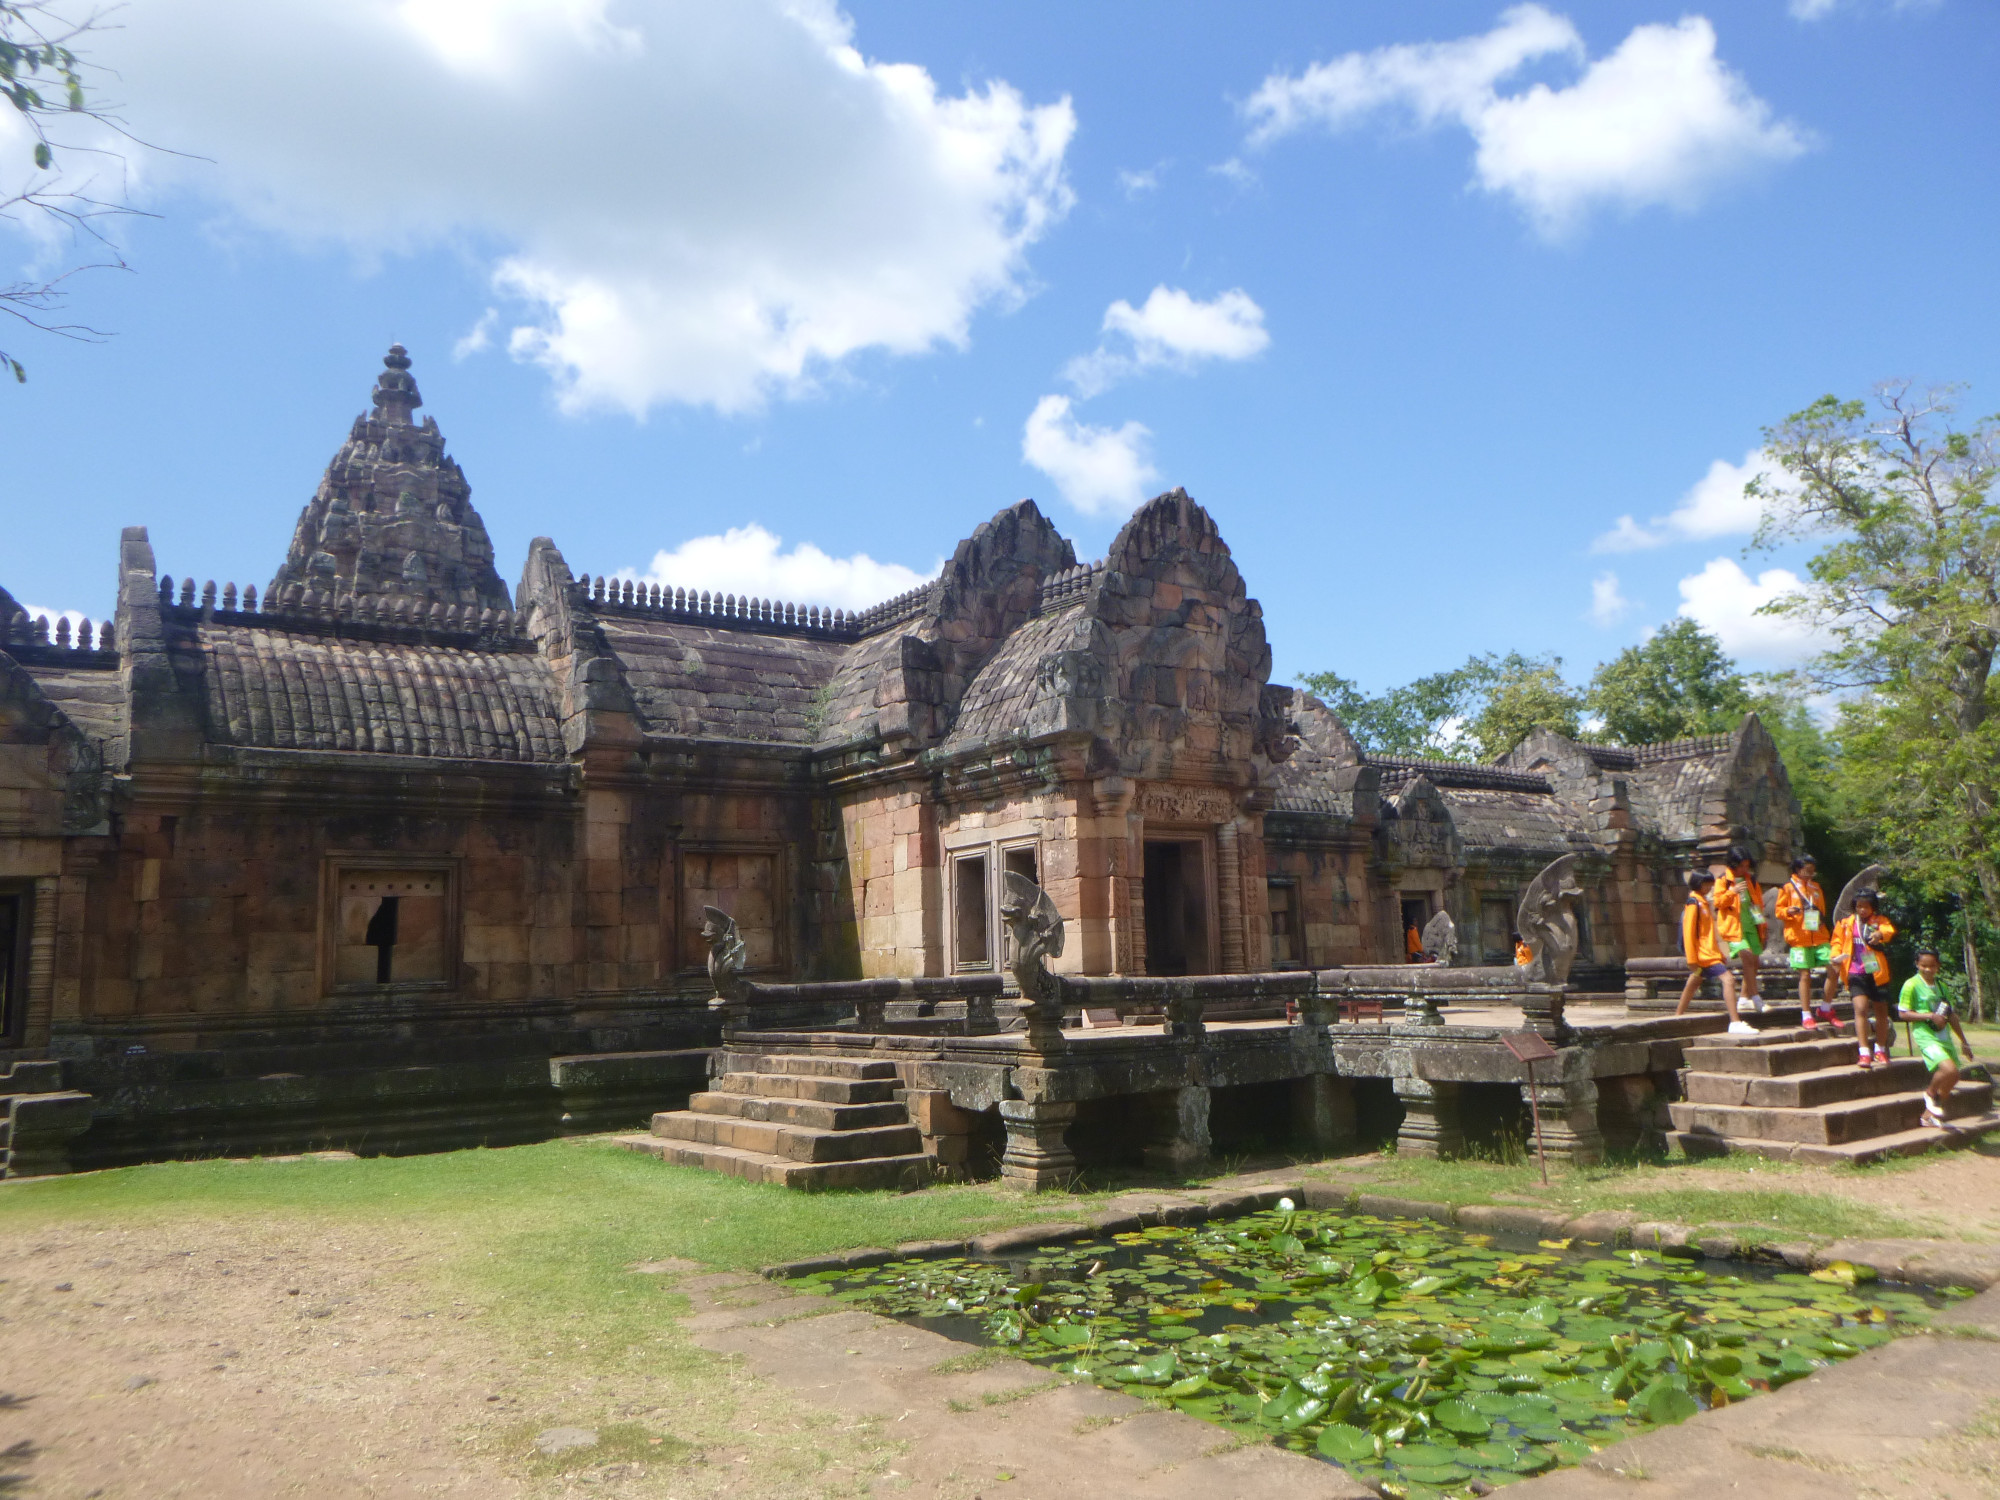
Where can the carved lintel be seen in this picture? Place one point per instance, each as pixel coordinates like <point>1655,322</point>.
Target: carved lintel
<point>1179,802</point>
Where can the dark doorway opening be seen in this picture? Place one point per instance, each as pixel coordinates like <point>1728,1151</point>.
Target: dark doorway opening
<point>1176,889</point>
<point>1416,912</point>
<point>1495,1121</point>
<point>381,936</point>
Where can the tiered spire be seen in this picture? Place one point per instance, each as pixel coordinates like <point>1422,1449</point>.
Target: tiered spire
<point>393,514</point>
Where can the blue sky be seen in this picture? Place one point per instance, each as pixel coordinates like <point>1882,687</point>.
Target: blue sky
<point>1419,300</point>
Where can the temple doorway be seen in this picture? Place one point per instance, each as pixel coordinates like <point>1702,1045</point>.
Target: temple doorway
<point>1177,927</point>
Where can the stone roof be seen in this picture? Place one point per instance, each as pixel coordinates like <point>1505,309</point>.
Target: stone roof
<point>1398,769</point>
<point>393,514</point>
<point>1517,821</point>
<point>91,696</point>
<point>283,686</point>
<point>1001,702</point>
<point>1312,781</point>
<point>724,681</point>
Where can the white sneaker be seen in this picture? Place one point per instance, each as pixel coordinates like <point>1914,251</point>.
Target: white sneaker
<point>1933,1116</point>
<point>1758,1001</point>
<point>1742,1028</point>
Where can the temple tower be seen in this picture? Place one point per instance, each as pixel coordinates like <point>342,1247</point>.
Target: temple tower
<point>393,514</point>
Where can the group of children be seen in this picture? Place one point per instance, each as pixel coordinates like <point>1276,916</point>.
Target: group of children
<point>1723,922</point>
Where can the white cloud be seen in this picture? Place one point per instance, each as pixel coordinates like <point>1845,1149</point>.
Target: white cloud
<point>1100,470</point>
<point>1138,184</point>
<point>479,338</point>
<point>747,561</point>
<point>1170,330</point>
<point>1657,122</point>
<point>1608,605</point>
<point>1714,505</point>
<point>680,201</point>
<point>1811,10</point>
<point>1724,600</point>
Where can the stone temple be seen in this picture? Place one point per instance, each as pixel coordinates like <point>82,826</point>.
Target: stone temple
<point>381,854</point>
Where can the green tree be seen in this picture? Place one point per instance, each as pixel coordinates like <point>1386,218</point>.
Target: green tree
<point>1677,685</point>
<point>1523,694</point>
<point>1908,586</point>
<point>1484,708</point>
<point>42,79</point>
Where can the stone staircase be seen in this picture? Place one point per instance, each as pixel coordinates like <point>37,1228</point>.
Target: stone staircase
<point>38,1119</point>
<point>801,1122</point>
<point>1794,1095</point>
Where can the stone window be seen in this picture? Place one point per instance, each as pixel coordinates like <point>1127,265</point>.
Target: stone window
<point>971,905</point>
<point>13,965</point>
<point>1286,951</point>
<point>393,926</point>
<point>742,882</point>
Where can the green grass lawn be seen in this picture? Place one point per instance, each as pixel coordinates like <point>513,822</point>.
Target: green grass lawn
<point>1779,1204</point>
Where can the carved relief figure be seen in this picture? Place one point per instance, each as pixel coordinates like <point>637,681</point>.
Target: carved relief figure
<point>1548,923</point>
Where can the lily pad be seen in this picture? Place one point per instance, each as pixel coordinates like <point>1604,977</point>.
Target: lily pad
<point>1459,1417</point>
<point>1346,1444</point>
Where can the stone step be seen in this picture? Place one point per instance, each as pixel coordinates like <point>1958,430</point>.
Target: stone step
<point>824,1067</point>
<point>808,1086</point>
<point>876,1173</point>
<point>1836,1124</point>
<point>1803,1090</point>
<point>1965,1130</point>
<point>791,1142</point>
<point>1771,1054</point>
<point>800,1111</point>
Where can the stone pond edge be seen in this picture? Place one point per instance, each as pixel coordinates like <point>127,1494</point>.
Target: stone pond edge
<point>1934,1263</point>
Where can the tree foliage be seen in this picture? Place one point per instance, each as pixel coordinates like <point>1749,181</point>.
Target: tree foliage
<point>1908,585</point>
<point>1674,686</point>
<point>1483,708</point>
<point>43,80</point>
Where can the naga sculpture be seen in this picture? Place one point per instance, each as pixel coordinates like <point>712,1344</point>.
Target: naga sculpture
<point>1441,939</point>
<point>1869,879</point>
<point>1547,920</point>
<point>1037,930</point>
<point>727,957</point>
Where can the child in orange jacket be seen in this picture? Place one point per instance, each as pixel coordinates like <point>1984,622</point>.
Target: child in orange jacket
<point>1808,937</point>
<point>1739,920</point>
<point>1860,944</point>
<point>1704,958</point>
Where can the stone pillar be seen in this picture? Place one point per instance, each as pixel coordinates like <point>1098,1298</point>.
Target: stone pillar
<point>1567,1097</point>
<point>1323,1112</point>
<point>947,1131</point>
<point>1180,1139</point>
<point>1037,1155</point>
<point>1431,1124</point>
<point>1542,1010</point>
<point>1111,801</point>
<point>1229,898</point>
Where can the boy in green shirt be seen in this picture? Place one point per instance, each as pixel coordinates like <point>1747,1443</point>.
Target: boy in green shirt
<point>1923,1005</point>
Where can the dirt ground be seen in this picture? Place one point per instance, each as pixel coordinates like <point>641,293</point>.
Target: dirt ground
<point>232,1360</point>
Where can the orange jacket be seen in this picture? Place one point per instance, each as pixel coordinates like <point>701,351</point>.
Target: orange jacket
<point>1413,942</point>
<point>1731,894</point>
<point>1795,898</point>
<point>1523,954</point>
<point>1874,959</point>
<point>1698,933</point>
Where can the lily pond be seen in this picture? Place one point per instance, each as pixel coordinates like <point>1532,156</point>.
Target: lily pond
<point>1428,1361</point>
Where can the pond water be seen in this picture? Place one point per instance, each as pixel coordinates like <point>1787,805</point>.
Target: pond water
<point>1429,1361</point>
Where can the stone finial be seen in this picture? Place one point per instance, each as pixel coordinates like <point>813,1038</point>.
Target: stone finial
<point>396,389</point>
<point>106,641</point>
